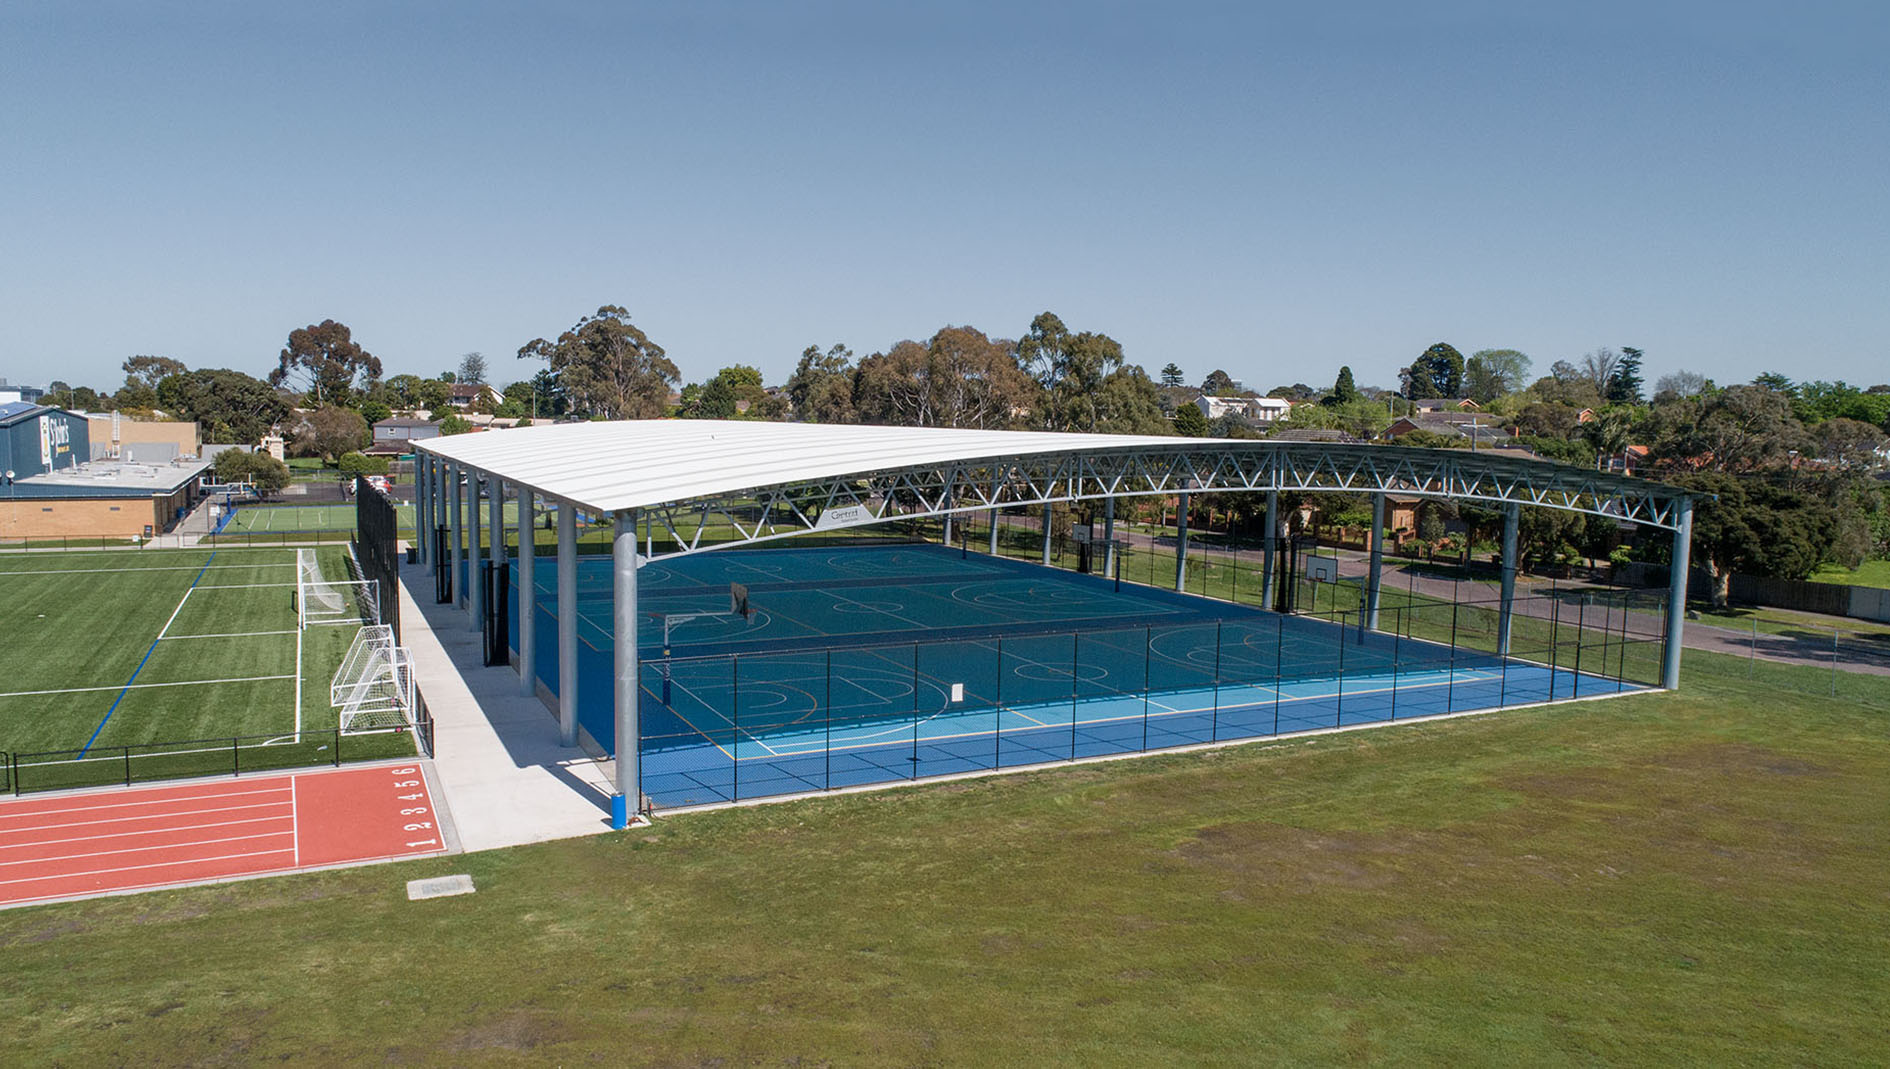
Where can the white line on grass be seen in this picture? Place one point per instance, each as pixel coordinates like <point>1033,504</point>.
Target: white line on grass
<point>233,634</point>
<point>138,686</point>
<point>245,586</point>
<point>165,568</point>
<point>298,689</point>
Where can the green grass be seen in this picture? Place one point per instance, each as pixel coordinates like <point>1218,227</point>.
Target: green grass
<point>80,627</point>
<point>1689,878</point>
<point>1870,573</point>
<point>276,519</point>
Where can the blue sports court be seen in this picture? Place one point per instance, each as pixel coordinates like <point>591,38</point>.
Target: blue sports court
<point>869,664</point>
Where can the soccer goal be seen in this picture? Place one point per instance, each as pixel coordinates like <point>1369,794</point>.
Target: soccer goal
<point>373,689</point>
<point>324,601</point>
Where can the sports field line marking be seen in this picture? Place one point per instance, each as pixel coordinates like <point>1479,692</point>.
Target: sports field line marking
<point>135,868</point>
<point>138,802</point>
<point>246,586</point>
<point>163,568</point>
<point>138,686</point>
<point>147,655</point>
<point>124,834</point>
<point>142,849</point>
<point>231,634</point>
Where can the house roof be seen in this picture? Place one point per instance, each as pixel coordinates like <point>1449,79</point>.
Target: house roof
<point>14,411</point>
<point>405,421</point>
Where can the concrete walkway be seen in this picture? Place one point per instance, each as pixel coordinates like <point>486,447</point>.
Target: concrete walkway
<point>505,779</point>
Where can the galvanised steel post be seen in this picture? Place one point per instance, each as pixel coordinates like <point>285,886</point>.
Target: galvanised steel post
<point>1677,594</point>
<point>624,587</point>
<point>1512,515</point>
<point>527,594</point>
<point>567,624</point>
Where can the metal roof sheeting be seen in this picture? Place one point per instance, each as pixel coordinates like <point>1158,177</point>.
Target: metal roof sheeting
<point>638,463</point>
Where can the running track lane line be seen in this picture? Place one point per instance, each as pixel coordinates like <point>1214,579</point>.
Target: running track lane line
<point>63,846</point>
<point>147,655</point>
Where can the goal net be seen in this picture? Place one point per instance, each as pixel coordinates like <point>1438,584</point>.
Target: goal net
<point>339,601</point>
<point>373,688</point>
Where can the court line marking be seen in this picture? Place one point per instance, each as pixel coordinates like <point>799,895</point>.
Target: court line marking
<point>139,686</point>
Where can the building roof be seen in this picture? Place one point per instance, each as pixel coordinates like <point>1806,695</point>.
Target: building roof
<point>110,478</point>
<point>405,421</point>
<point>14,411</point>
<point>637,463</point>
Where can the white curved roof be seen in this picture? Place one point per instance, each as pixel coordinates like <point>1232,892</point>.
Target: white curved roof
<point>638,463</point>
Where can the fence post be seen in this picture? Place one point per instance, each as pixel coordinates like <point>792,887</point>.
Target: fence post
<point>236,757</point>
<point>127,751</point>
<point>337,745</point>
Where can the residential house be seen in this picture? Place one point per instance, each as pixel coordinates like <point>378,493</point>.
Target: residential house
<point>395,435</point>
<point>1251,409</point>
<point>1445,404</point>
<point>465,395</point>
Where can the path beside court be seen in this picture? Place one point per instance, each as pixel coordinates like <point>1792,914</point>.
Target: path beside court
<point>505,779</point>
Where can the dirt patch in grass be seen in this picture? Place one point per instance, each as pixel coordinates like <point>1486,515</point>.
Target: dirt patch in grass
<point>1287,858</point>
<point>519,1030</point>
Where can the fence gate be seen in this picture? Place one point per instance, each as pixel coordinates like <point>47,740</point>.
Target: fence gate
<point>497,605</point>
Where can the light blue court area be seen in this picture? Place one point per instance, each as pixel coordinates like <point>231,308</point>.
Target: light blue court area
<point>868,664</point>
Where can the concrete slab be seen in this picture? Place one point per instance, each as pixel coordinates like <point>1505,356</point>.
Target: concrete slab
<point>503,774</point>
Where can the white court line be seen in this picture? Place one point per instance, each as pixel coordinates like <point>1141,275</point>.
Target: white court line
<point>139,802</point>
<point>134,868</point>
<point>143,849</point>
<point>139,686</point>
<point>123,834</point>
<point>174,612</point>
<point>232,634</point>
<point>147,816</point>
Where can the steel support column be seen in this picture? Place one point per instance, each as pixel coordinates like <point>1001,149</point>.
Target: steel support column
<point>475,555</point>
<point>1512,520</point>
<point>1046,533</point>
<point>1677,594</point>
<point>1374,579</point>
<point>1181,544</point>
<point>456,524</point>
<point>624,585</point>
<point>994,532</point>
<point>527,595</point>
<point>1109,537</point>
<point>420,507</point>
<point>948,528</point>
<point>567,625</point>
<point>1266,550</point>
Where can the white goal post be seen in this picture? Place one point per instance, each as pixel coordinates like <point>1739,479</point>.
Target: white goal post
<point>321,601</point>
<point>373,690</point>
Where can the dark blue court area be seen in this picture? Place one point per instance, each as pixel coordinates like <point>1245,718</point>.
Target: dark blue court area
<point>860,665</point>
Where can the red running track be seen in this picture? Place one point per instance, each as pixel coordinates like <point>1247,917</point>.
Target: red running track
<point>82,844</point>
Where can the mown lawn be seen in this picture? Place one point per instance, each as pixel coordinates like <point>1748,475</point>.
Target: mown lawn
<point>1691,878</point>
<point>1870,573</point>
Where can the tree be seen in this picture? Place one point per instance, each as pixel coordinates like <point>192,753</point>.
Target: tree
<point>228,406</point>
<point>608,367</point>
<point>1083,381</point>
<point>472,369</point>
<point>267,474</point>
<point>1772,380</point>
<point>352,464</point>
<point>1598,368</point>
<point>1757,527</point>
<point>733,391</point>
<point>453,423</point>
<point>1848,445</point>
<point>1738,429</point>
<point>1437,372</point>
<point>1344,390</point>
<point>1171,375</point>
<point>1681,384</point>
<point>327,363</point>
<point>1191,422</point>
<point>331,431</point>
<point>1218,383</point>
<point>373,411</point>
<point>1624,382</point>
<point>959,378</point>
<point>1491,373</point>
<point>821,388</point>
<point>148,371</point>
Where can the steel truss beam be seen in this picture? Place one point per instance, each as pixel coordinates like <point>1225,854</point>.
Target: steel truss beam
<point>767,513</point>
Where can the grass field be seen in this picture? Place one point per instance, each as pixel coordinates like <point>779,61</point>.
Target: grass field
<point>116,649</point>
<point>1870,573</point>
<point>1689,878</point>
<point>261,519</point>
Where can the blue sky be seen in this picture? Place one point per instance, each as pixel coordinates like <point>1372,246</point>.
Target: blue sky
<point>1272,191</point>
